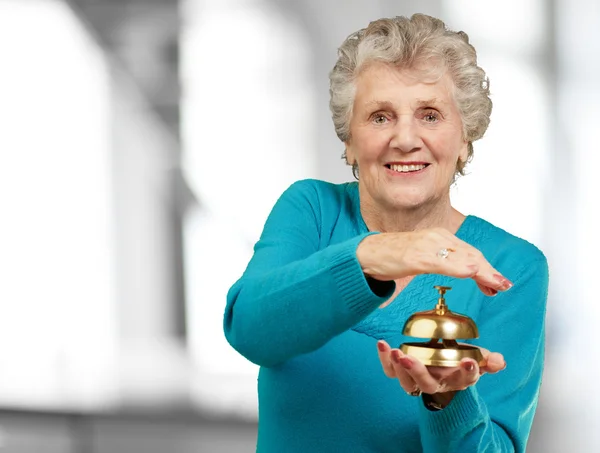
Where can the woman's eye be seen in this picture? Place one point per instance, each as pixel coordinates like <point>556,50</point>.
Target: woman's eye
<point>379,119</point>
<point>431,116</point>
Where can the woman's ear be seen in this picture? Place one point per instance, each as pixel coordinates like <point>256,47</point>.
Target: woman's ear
<point>349,153</point>
<point>464,152</point>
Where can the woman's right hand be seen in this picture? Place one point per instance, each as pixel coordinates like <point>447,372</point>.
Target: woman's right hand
<point>389,256</point>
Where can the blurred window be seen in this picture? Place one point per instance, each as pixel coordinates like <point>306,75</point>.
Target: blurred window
<point>56,290</point>
<point>508,177</point>
<point>248,133</point>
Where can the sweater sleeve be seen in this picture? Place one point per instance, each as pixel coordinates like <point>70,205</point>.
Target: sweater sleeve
<point>295,295</point>
<point>496,415</point>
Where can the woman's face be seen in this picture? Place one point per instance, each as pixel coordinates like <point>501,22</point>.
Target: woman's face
<point>405,136</point>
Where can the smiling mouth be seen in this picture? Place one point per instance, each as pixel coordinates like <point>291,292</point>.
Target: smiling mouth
<point>406,168</point>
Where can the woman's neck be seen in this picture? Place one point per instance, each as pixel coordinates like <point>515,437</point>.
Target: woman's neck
<point>440,215</point>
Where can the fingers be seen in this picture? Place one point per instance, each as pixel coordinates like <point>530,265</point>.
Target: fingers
<point>418,373</point>
<point>486,290</point>
<point>432,380</point>
<point>402,364</point>
<point>467,374</point>
<point>412,374</point>
<point>491,281</point>
<point>468,262</point>
<point>383,350</point>
<point>495,363</point>
<point>391,360</point>
<point>488,279</point>
<point>461,377</point>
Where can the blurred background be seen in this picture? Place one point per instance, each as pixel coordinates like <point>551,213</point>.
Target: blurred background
<point>143,145</point>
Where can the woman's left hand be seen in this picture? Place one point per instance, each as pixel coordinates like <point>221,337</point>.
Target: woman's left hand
<point>414,376</point>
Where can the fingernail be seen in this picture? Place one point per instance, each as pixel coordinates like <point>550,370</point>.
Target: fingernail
<point>468,366</point>
<point>406,363</point>
<point>396,357</point>
<point>381,346</point>
<point>506,283</point>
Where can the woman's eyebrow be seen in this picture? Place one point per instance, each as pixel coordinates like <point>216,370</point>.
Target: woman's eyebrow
<point>379,104</point>
<point>387,105</point>
<point>430,102</point>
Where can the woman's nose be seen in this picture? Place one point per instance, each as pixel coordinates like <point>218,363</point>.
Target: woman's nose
<point>406,136</point>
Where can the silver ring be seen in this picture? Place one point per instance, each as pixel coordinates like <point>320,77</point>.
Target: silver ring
<point>443,253</point>
<point>416,392</point>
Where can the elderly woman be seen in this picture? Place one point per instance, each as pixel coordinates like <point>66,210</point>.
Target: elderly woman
<point>339,268</point>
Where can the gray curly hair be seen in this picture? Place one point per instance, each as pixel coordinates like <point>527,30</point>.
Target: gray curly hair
<point>413,43</point>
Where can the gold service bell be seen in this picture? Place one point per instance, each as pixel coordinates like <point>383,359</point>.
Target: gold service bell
<point>445,325</point>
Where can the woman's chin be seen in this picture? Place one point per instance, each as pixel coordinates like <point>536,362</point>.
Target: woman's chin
<point>407,202</point>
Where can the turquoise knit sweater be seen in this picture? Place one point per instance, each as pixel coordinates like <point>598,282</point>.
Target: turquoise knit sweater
<point>304,311</point>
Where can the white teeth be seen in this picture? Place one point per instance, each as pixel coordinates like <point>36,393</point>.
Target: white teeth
<point>407,168</point>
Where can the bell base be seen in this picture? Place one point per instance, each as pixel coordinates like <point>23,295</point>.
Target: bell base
<point>437,354</point>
